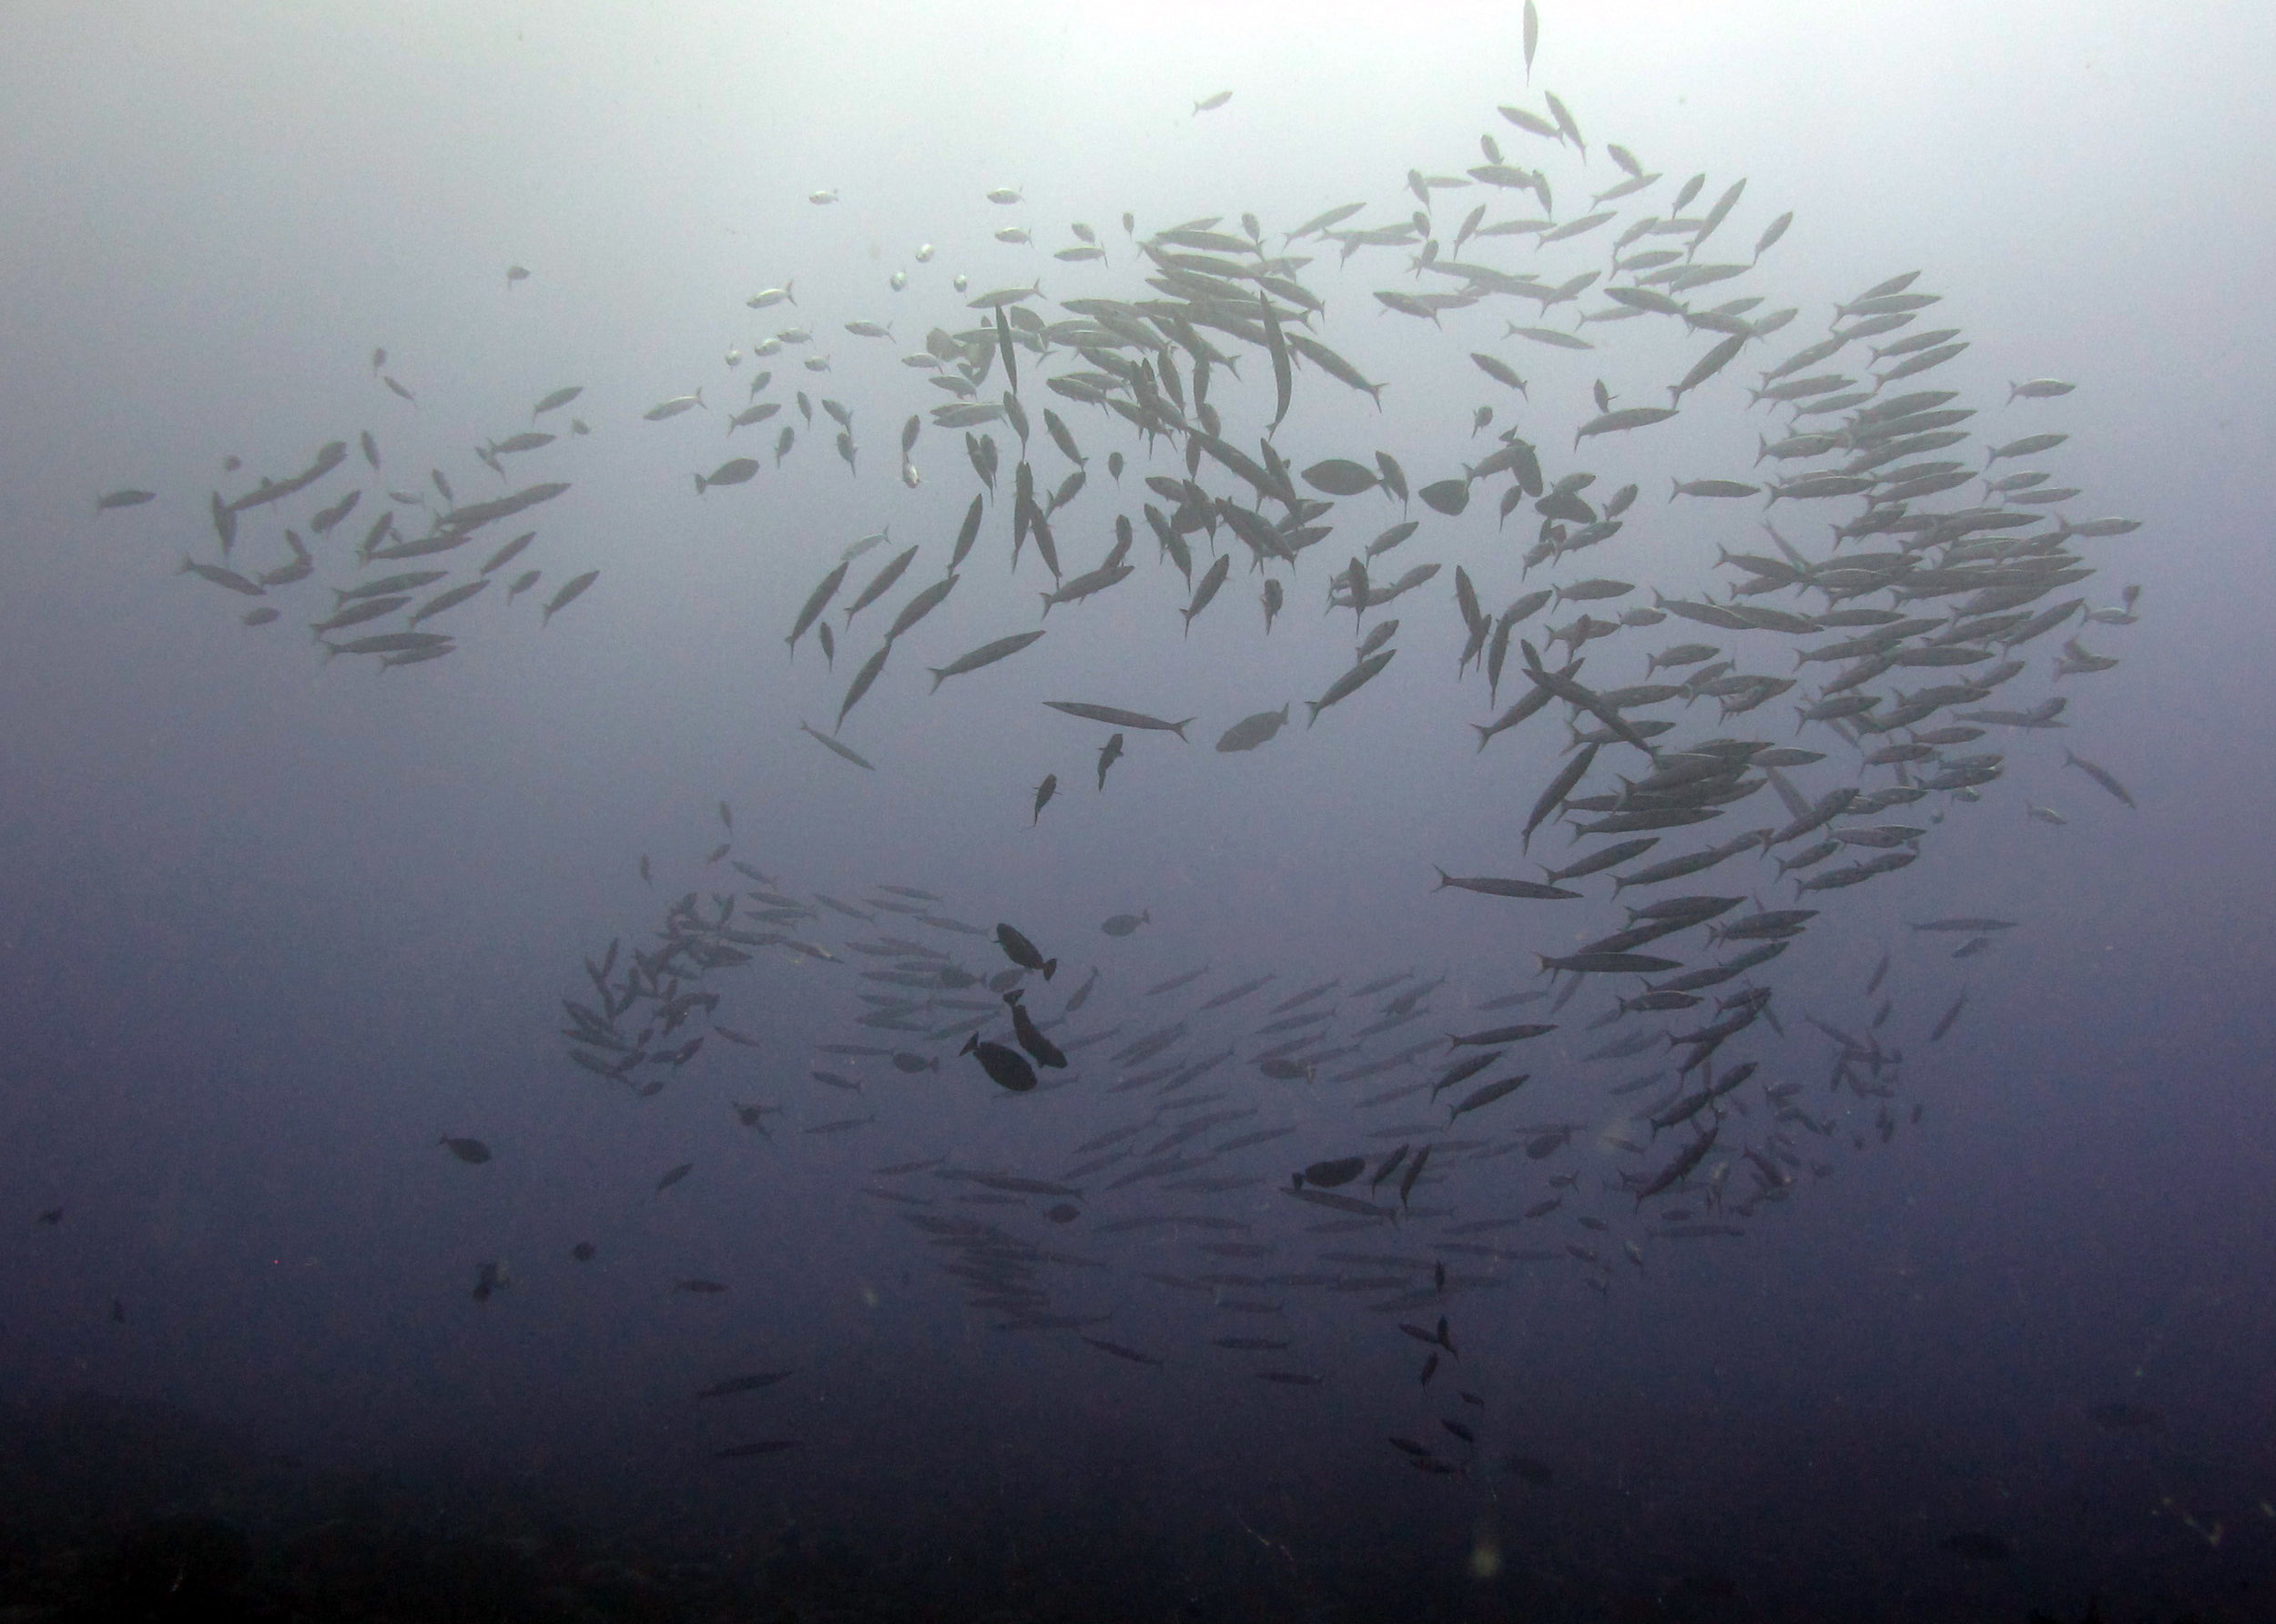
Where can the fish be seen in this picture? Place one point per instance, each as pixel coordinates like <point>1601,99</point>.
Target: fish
<point>472,1151</point>
<point>1024,953</point>
<point>222,577</point>
<point>1253,731</point>
<point>882,583</point>
<point>1349,682</point>
<point>1114,718</point>
<point>1007,1068</point>
<point>1486,1094</point>
<point>1210,581</point>
<point>569,593</point>
<point>447,600</point>
<point>1506,888</point>
<point>554,400</point>
<point>816,603</point>
<point>1031,1038</point>
<point>509,552</point>
<point>1210,104</point>
<point>736,470</point>
<point>837,748</point>
<point>1125,923</point>
<point>1327,1175</point>
<point>2101,776</point>
<point>922,604</point>
<point>864,679</point>
<point>988,653</point>
<point>1043,793</point>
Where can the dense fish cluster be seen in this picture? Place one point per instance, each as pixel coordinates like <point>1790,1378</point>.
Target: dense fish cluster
<point>1271,1157</point>
<point>1900,598</point>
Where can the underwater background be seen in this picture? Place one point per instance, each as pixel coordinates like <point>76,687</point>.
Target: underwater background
<point>332,1279</point>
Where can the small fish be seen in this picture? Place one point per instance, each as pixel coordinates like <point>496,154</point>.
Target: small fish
<point>1022,952</point>
<point>986,654</point>
<point>1047,788</point>
<point>472,1151</point>
<point>1327,1175</point>
<point>1007,1068</point>
<point>1344,686</point>
<point>2099,775</point>
<point>1210,104</point>
<point>1114,718</point>
<point>568,594</point>
<point>734,471</point>
<point>1109,754</point>
<point>1250,732</point>
<point>1505,887</point>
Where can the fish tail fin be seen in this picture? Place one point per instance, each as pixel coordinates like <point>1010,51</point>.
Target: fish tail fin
<point>699,484</point>
<point>1047,604</point>
<point>1315,709</point>
<point>1050,968</point>
<point>939,676</point>
<point>699,399</point>
<point>1179,728</point>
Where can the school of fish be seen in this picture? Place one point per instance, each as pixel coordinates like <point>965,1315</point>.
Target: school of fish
<point>1903,597</point>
